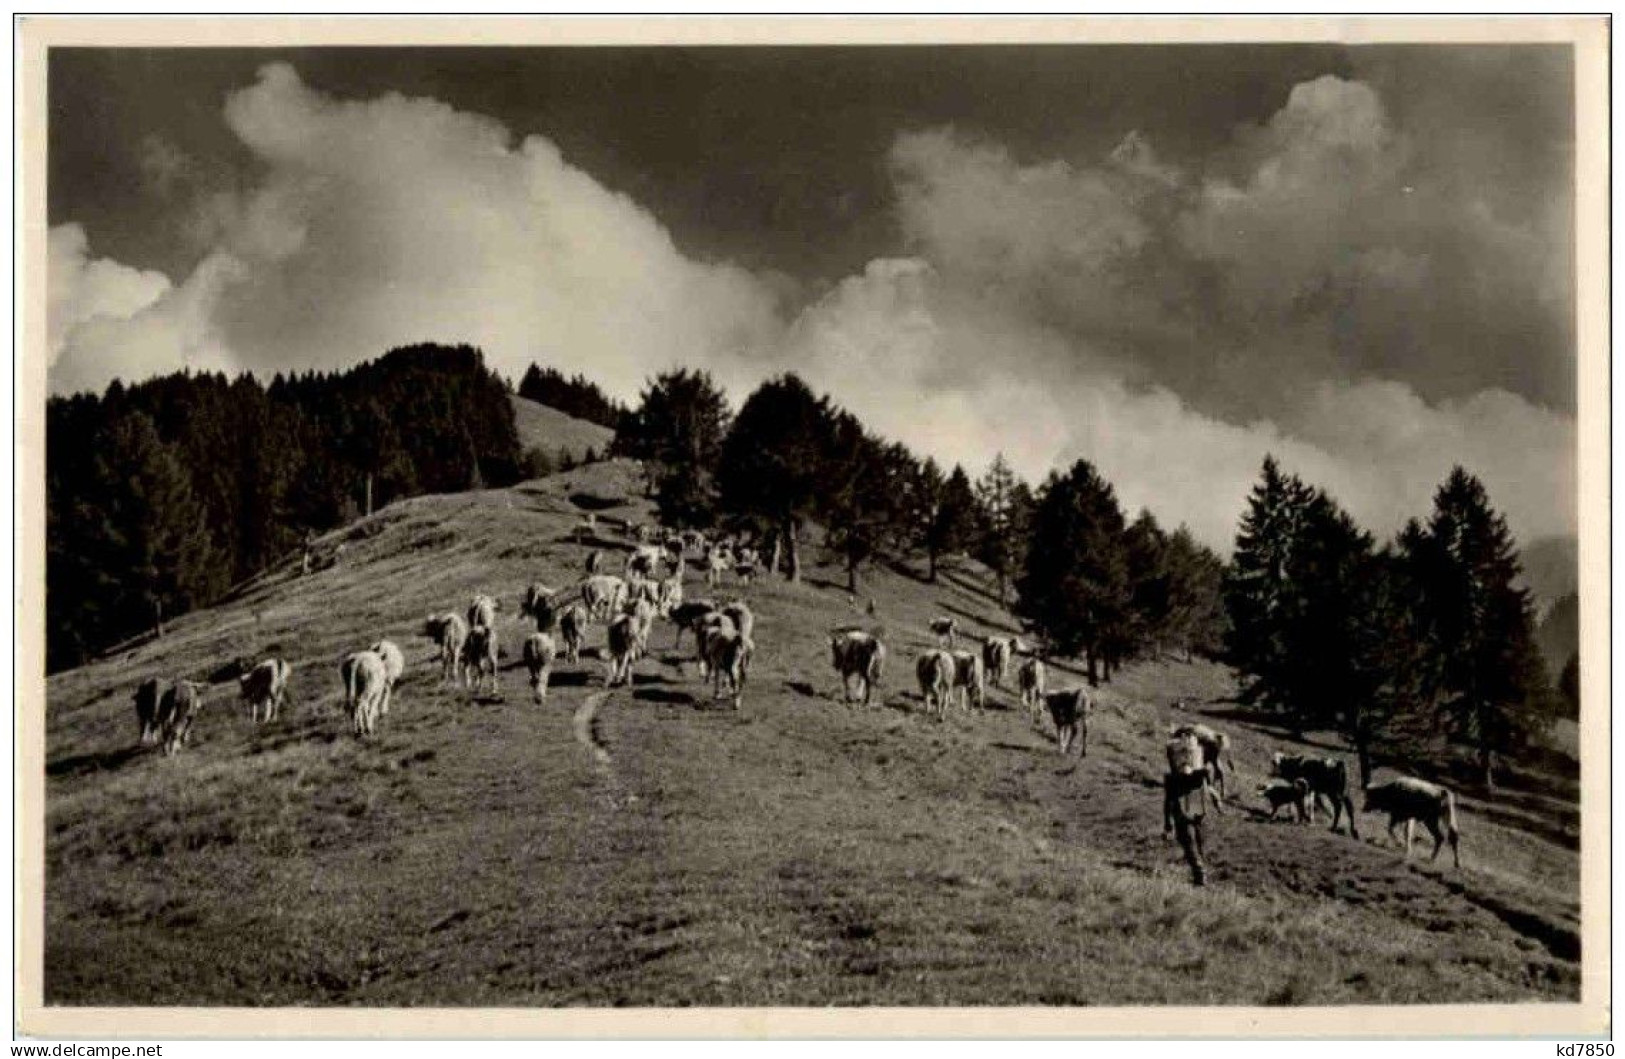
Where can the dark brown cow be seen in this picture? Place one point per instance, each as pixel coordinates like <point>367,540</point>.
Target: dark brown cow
<point>1328,779</point>
<point>1408,800</point>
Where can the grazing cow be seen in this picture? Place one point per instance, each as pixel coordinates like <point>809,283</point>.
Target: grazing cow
<point>1213,744</point>
<point>538,603</point>
<point>1409,800</point>
<point>670,595</point>
<point>178,707</point>
<point>1328,780</point>
<point>1030,679</point>
<point>726,652</point>
<point>688,616</point>
<point>573,631</point>
<point>265,686</point>
<point>644,562</point>
<point>1281,793</point>
<point>482,611</point>
<point>946,630</point>
<point>969,681</point>
<point>1070,711</point>
<point>717,560</point>
<point>394,666</point>
<point>1186,787</point>
<point>996,653</point>
<point>674,554</point>
<point>364,680</point>
<point>603,595</point>
<point>935,672</point>
<point>857,655</point>
<point>146,708</point>
<point>450,633</point>
<point>623,641</point>
<point>595,559</point>
<point>480,657</point>
<point>538,654</point>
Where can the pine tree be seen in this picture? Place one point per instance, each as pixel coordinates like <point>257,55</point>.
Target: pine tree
<point>1492,687</point>
<point>1074,587</point>
<point>771,468</point>
<point>1006,505</point>
<point>953,524</point>
<point>1195,612</point>
<point>1145,549</point>
<point>1258,592</point>
<point>678,430</point>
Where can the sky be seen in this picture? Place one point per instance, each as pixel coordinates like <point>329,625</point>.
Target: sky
<point>1168,260</point>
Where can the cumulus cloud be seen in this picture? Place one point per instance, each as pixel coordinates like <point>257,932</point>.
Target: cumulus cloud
<point>393,220</point>
<point>1321,291</point>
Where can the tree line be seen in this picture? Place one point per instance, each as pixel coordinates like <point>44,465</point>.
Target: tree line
<point>1413,650</point>
<point>1087,581</point>
<point>163,495</point>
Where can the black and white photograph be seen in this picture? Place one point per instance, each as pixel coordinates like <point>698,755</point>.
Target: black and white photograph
<point>552,519</point>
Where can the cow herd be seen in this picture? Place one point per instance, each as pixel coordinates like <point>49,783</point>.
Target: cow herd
<point>468,648</point>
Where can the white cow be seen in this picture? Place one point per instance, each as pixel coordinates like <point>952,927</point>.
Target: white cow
<point>394,666</point>
<point>450,633</point>
<point>538,654</point>
<point>364,682</point>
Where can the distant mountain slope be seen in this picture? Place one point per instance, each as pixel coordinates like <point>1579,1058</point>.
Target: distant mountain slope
<point>651,846</point>
<point>1551,570</point>
<point>550,430</point>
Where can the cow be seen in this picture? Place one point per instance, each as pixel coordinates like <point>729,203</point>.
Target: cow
<point>710,625</point>
<point>622,642</point>
<point>640,590</point>
<point>642,613</point>
<point>1328,780</point>
<point>717,560</point>
<point>857,655</point>
<point>996,653</point>
<point>688,616</point>
<point>670,595</point>
<point>745,572</point>
<point>1030,679</point>
<point>674,554</point>
<point>745,622</point>
<point>394,666</point>
<point>450,633</point>
<point>644,562</point>
<point>726,653</point>
<point>1213,744</point>
<point>537,603</point>
<point>573,631</point>
<point>178,707</point>
<point>969,681</point>
<point>1070,710</point>
<point>482,611</point>
<point>265,686</point>
<point>603,595</point>
<point>480,657</point>
<point>946,630</point>
<point>1408,800</point>
<point>538,654</point>
<point>364,680</point>
<point>935,672</point>
<point>146,708</point>
<point>1280,793</point>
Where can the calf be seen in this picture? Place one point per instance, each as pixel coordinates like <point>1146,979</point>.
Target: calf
<point>364,678</point>
<point>538,654</point>
<point>1328,779</point>
<point>713,624</point>
<point>450,633</point>
<point>537,602</point>
<point>688,616</point>
<point>1070,711</point>
<point>935,672</point>
<point>726,651</point>
<point>178,706</point>
<point>264,686</point>
<point>969,682</point>
<point>1408,800</point>
<point>622,642</point>
<point>857,655</point>
<point>745,621</point>
<point>1281,793</point>
<point>482,611</point>
<point>945,630</point>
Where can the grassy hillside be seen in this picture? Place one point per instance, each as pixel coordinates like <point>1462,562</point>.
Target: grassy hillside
<point>550,430</point>
<point>648,847</point>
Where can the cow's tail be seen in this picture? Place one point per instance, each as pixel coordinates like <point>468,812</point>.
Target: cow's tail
<point>351,693</point>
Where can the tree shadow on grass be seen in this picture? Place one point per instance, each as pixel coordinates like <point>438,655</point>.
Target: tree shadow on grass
<point>80,764</point>
<point>667,697</point>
